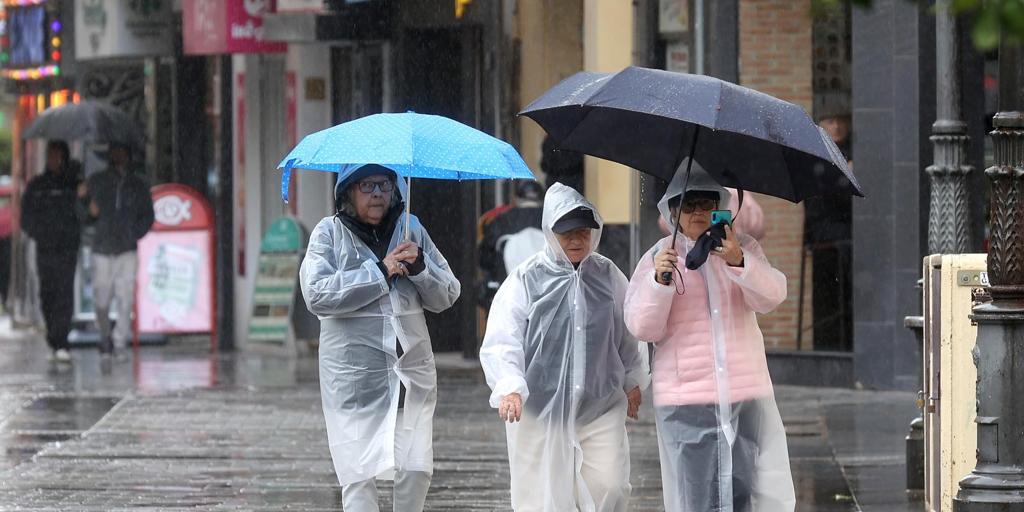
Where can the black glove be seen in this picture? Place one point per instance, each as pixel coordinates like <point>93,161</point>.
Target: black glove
<point>705,244</point>
<point>417,266</point>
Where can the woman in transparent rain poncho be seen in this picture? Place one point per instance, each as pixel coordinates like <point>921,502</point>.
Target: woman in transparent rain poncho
<point>564,370</point>
<point>722,443</point>
<point>378,384</point>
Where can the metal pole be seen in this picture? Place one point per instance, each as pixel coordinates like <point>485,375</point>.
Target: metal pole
<point>800,298</point>
<point>225,203</point>
<point>497,79</point>
<point>698,37</point>
<point>997,481</point>
<point>949,226</point>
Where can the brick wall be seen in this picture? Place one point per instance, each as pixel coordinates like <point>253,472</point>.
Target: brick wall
<point>775,58</point>
<point>782,242</point>
<point>775,48</point>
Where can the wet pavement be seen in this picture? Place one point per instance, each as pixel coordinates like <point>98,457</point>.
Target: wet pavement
<point>177,429</point>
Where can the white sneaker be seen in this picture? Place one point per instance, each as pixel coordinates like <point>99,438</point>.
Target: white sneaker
<point>122,355</point>
<point>62,355</point>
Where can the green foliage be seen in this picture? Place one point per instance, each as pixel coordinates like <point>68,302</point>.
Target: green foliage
<point>991,19</point>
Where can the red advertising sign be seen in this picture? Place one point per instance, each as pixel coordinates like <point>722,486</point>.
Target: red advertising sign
<point>175,290</point>
<point>226,26</point>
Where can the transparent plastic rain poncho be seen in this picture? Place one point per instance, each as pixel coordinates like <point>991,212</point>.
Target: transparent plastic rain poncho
<point>361,318</point>
<point>555,335</point>
<point>721,438</point>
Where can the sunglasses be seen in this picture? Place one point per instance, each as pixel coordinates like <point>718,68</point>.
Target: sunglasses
<point>704,204</point>
<point>368,186</point>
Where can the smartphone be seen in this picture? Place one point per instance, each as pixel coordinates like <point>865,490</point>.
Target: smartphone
<point>721,216</point>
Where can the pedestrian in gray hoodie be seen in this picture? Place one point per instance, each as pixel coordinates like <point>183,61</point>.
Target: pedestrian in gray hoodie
<point>121,208</point>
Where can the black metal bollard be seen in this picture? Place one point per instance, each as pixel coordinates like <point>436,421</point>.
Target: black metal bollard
<point>915,436</point>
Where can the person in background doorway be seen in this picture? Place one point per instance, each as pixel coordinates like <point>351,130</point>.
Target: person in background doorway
<point>510,238</point>
<point>561,166</point>
<point>50,216</point>
<point>121,207</point>
<point>828,227</point>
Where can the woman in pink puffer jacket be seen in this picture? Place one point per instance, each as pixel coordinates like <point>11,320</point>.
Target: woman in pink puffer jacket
<point>722,443</point>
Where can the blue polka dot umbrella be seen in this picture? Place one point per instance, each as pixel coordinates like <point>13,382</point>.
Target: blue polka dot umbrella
<point>413,145</point>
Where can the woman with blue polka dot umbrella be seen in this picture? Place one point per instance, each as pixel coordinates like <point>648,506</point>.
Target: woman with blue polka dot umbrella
<point>370,282</point>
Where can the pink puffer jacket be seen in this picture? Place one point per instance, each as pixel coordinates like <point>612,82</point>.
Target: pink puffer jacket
<point>686,327</point>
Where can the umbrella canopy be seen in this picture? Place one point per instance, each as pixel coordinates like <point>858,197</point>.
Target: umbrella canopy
<point>87,120</point>
<point>413,145</point>
<point>652,119</point>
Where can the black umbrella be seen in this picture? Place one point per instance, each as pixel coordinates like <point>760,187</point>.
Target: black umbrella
<point>651,119</point>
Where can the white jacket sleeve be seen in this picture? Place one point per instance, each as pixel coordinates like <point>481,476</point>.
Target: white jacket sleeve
<point>437,285</point>
<point>502,354</point>
<point>329,291</point>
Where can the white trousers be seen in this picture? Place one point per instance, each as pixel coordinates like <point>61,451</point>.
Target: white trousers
<point>114,276</point>
<point>410,491</point>
<point>602,484</point>
<point>409,495</point>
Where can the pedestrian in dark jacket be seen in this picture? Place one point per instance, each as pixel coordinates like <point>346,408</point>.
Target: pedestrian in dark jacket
<point>510,238</point>
<point>49,216</point>
<point>121,208</point>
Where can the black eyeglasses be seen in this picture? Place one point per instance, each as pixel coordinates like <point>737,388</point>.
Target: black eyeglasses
<point>368,186</point>
<point>704,204</point>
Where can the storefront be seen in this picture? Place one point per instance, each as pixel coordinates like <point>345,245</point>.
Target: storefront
<point>33,49</point>
<point>352,59</point>
<point>258,108</point>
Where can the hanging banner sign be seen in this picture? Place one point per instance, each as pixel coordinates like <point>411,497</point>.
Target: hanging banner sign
<point>226,26</point>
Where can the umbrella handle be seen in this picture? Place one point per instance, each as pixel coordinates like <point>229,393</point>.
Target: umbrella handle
<point>408,206</point>
<point>667,276</point>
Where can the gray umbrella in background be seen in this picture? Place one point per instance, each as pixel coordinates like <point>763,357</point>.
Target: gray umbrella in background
<point>88,120</point>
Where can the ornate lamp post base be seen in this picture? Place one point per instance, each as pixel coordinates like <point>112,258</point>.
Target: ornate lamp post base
<point>997,482</point>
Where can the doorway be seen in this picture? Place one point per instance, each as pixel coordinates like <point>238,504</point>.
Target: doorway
<point>440,74</point>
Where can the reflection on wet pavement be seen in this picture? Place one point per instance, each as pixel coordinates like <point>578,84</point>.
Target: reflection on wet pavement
<point>179,429</point>
<point>46,420</point>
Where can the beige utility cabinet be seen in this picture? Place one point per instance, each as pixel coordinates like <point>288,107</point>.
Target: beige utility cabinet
<point>949,373</point>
